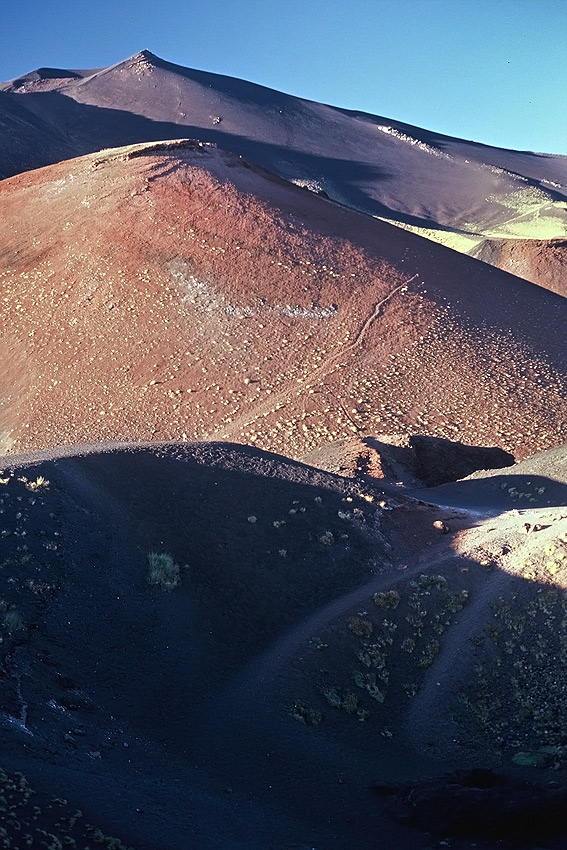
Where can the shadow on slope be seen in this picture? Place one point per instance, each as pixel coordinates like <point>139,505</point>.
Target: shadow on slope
<point>435,460</point>
<point>539,481</point>
<point>452,660</point>
<point>311,635</point>
<point>410,462</point>
<point>102,674</point>
<point>92,128</point>
<point>75,129</point>
<point>481,804</point>
<point>30,141</point>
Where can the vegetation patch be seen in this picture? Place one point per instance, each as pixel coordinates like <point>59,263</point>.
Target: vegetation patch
<point>398,640</point>
<point>30,542</point>
<point>31,818</point>
<point>13,622</point>
<point>389,600</point>
<point>39,482</point>
<point>539,758</point>
<point>362,628</point>
<point>521,652</point>
<point>304,714</point>
<point>163,571</point>
<point>346,702</point>
<point>367,681</point>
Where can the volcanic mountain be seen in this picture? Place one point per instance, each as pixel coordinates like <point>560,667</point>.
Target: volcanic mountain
<point>205,642</point>
<point>448,189</point>
<point>176,291</point>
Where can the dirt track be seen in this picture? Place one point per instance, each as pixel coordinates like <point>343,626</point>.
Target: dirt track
<point>188,294</point>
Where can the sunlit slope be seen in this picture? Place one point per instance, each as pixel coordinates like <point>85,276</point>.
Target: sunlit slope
<point>448,188</point>
<point>175,276</point>
<point>176,292</point>
<point>542,262</point>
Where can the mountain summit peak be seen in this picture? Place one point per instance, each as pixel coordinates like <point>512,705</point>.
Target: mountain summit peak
<point>145,56</point>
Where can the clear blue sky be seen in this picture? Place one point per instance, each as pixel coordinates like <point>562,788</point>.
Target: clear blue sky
<point>494,71</point>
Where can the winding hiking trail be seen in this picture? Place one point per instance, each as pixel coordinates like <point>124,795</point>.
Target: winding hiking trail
<point>425,729</point>
<point>439,679</point>
<point>375,313</point>
<point>253,679</point>
<point>250,686</point>
<point>285,396</point>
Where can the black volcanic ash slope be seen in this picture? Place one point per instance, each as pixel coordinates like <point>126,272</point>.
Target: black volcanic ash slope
<point>103,674</point>
<point>316,621</point>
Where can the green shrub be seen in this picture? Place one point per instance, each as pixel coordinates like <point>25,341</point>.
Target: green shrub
<point>537,758</point>
<point>13,621</point>
<point>359,627</point>
<point>163,571</point>
<point>301,712</point>
<point>348,702</point>
<point>429,654</point>
<point>390,599</point>
<point>367,681</point>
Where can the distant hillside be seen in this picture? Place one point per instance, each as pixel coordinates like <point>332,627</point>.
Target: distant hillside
<point>542,261</point>
<point>453,190</point>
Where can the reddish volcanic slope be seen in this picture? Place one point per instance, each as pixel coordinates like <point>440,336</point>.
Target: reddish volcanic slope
<point>543,261</point>
<point>174,291</point>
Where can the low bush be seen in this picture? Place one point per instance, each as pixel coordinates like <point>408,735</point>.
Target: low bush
<point>13,621</point>
<point>163,571</point>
